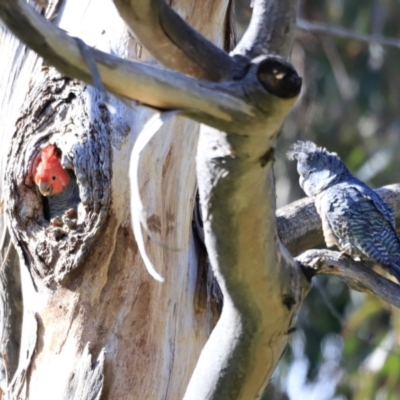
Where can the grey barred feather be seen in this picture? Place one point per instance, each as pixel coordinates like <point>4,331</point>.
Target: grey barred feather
<point>69,198</point>
<point>354,217</point>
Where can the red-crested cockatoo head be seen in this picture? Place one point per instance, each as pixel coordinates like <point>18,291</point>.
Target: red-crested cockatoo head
<point>48,173</point>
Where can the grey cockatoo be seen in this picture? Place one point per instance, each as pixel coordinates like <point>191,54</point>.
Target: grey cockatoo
<point>354,217</point>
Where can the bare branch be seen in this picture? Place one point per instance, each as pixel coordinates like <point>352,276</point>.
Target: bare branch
<point>173,42</point>
<point>356,274</point>
<point>299,226</point>
<point>271,29</point>
<point>218,104</point>
<point>262,287</point>
<point>342,78</point>
<point>338,31</point>
<point>148,84</point>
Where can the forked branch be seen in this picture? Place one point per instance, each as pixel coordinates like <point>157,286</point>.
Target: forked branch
<point>173,42</point>
<point>338,31</point>
<point>152,86</point>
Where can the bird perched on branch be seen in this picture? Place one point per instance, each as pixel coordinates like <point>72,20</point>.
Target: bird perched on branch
<point>354,217</point>
<point>57,184</point>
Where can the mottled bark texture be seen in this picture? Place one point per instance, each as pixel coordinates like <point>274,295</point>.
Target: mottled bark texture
<point>56,111</point>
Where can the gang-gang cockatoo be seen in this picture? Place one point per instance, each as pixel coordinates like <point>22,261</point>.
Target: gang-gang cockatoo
<point>57,184</point>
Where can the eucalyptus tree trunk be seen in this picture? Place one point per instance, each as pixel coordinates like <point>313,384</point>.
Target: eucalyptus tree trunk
<point>94,322</point>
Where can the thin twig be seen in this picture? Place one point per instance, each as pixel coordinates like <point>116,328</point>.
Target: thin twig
<point>338,31</point>
<point>174,42</point>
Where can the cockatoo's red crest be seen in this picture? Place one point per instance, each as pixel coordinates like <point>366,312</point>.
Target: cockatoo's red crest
<point>48,173</point>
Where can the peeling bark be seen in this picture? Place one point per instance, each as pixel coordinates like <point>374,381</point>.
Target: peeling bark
<point>11,309</point>
<point>87,380</point>
<point>18,387</point>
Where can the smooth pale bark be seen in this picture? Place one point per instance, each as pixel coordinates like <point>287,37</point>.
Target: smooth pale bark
<point>148,334</point>
<point>195,55</point>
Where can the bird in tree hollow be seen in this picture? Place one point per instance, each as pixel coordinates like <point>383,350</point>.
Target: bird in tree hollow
<point>57,184</point>
<point>354,217</point>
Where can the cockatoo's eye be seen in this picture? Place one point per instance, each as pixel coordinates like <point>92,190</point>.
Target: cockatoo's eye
<point>53,178</point>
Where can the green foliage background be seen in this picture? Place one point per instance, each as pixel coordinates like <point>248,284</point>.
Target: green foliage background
<point>347,344</point>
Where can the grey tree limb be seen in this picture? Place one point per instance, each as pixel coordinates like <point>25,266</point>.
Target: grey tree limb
<point>338,31</point>
<point>271,29</point>
<point>147,84</point>
<point>299,226</point>
<point>173,42</point>
<point>356,274</point>
<point>261,286</point>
